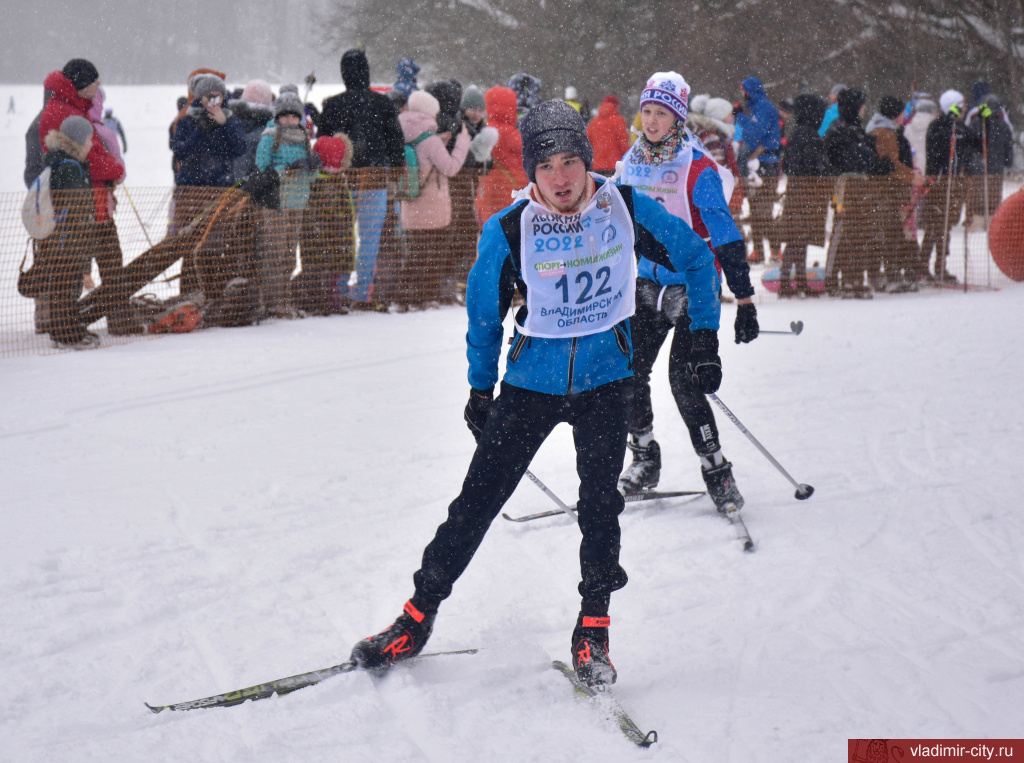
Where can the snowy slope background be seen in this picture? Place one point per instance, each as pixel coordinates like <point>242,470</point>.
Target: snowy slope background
<point>200,513</point>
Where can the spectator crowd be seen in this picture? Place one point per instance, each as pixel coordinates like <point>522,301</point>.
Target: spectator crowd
<point>375,201</point>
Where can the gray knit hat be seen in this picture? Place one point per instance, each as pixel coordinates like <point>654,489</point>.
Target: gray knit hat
<point>77,129</point>
<point>473,98</point>
<point>553,127</point>
<point>205,84</point>
<point>287,103</point>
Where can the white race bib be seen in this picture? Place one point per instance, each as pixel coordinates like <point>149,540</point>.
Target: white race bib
<point>667,182</point>
<point>579,270</point>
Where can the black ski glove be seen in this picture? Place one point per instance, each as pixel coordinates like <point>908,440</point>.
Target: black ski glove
<point>705,365</point>
<point>746,324</point>
<point>476,410</point>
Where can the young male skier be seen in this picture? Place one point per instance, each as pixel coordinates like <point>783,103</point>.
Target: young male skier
<point>569,243</point>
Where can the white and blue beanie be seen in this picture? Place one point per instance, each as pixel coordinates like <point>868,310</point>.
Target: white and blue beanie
<point>667,89</point>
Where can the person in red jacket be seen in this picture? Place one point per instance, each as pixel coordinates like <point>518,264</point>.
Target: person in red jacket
<point>608,135</point>
<point>73,89</point>
<point>507,174</point>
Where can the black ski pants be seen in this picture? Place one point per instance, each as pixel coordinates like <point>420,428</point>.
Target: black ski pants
<point>651,325</point>
<point>518,422</point>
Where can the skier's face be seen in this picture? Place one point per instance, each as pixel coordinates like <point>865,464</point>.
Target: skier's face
<point>562,182</point>
<point>656,121</point>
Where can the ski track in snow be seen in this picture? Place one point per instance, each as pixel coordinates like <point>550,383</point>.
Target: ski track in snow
<point>198,514</point>
<point>181,537</point>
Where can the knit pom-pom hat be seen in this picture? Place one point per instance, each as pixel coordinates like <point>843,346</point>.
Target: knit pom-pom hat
<point>667,89</point>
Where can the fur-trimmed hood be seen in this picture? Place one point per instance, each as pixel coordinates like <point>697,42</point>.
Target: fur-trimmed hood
<point>251,114</point>
<point>58,141</point>
<point>699,122</point>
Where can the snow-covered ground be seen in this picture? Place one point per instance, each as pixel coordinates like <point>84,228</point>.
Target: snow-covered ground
<point>201,513</point>
<point>206,512</point>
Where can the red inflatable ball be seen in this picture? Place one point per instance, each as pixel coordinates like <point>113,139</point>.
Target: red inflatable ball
<point>1006,236</point>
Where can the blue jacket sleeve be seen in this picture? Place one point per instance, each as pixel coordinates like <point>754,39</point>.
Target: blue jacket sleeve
<point>187,139</point>
<point>667,240</point>
<point>484,306</point>
<point>831,114</point>
<point>726,238</point>
<point>709,198</point>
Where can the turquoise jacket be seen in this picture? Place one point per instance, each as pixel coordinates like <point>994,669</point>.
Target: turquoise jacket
<point>295,184</point>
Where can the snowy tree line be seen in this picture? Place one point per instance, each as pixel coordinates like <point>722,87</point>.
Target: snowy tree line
<point>880,46</point>
<point>877,45</point>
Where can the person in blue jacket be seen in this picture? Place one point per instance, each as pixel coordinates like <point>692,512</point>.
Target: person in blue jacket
<point>569,244</point>
<point>207,138</point>
<point>762,140</point>
<point>206,141</point>
<point>669,164</point>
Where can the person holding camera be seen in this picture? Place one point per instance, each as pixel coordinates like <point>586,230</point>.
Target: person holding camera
<point>206,141</point>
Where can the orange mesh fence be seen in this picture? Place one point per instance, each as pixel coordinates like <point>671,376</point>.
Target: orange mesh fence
<point>858,236</point>
<point>345,241</point>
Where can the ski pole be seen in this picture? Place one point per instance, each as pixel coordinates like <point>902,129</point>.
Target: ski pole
<point>984,158</point>
<point>803,492</point>
<point>949,190</point>
<point>795,327</point>
<point>552,496</point>
<point>138,217</point>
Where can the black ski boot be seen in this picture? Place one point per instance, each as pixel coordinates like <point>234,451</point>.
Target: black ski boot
<point>722,487</point>
<point>590,657</point>
<point>403,639</point>
<point>645,471</point>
